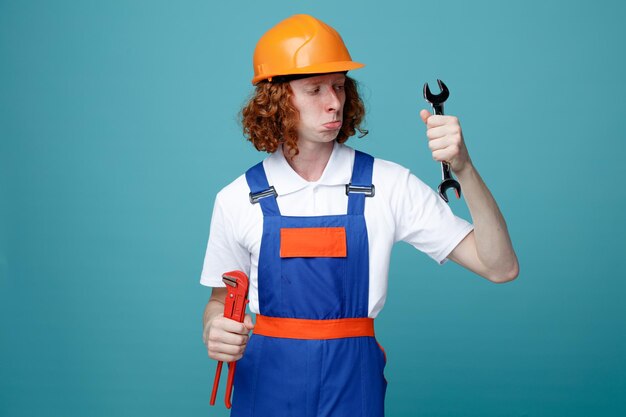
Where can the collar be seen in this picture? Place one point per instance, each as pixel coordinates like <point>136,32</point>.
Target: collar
<point>285,180</point>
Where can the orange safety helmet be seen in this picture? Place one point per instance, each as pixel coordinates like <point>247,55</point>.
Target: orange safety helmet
<point>300,44</point>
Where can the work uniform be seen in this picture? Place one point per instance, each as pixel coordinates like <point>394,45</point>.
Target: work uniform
<point>317,254</point>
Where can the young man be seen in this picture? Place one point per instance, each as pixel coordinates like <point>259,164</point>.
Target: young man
<point>313,226</point>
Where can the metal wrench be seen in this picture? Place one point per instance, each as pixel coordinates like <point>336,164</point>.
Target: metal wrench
<point>437,102</point>
<point>235,309</point>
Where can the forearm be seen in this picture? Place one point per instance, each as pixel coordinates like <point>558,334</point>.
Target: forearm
<point>493,243</point>
<point>212,310</point>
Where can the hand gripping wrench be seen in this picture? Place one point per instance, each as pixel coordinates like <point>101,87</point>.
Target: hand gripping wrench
<point>235,309</point>
<point>437,102</point>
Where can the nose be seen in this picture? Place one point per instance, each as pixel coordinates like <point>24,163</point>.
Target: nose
<point>333,102</point>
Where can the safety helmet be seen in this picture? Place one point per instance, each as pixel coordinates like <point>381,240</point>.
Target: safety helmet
<point>300,44</point>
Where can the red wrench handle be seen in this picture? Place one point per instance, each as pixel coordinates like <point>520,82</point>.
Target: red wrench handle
<point>216,382</point>
<point>229,383</point>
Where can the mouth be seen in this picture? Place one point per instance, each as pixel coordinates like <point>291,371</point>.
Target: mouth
<point>333,125</point>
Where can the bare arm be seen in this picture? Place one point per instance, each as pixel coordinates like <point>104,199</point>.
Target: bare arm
<point>224,338</point>
<point>487,250</point>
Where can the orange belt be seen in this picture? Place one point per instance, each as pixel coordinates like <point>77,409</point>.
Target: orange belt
<point>289,328</point>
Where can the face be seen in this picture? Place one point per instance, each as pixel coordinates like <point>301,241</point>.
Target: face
<point>320,101</point>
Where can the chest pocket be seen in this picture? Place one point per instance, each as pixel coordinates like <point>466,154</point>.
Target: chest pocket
<point>313,242</point>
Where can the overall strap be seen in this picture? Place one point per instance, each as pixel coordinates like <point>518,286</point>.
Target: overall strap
<point>361,183</point>
<point>260,190</point>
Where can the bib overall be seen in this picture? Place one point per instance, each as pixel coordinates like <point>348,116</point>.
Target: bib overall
<point>313,352</point>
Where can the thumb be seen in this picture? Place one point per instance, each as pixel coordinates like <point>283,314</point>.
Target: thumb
<point>247,321</point>
<point>425,114</point>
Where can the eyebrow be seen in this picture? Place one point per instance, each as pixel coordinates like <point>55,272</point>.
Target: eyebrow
<point>311,82</point>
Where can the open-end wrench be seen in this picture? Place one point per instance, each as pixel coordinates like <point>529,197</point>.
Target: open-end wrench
<point>235,309</point>
<point>437,102</point>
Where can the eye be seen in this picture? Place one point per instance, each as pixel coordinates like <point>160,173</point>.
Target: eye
<point>339,87</point>
<point>313,91</point>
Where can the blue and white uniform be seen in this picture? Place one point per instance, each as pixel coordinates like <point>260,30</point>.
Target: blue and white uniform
<point>282,376</point>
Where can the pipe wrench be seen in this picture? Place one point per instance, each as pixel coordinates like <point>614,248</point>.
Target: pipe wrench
<point>235,309</point>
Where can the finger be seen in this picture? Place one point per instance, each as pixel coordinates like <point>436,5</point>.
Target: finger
<point>444,155</point>
<point>225,357</point>
<point>223,349</point>
<point>231,326</point>
<point>228,338</point>
<point>440,120</point>
<point>225,352</point>
<point>425,114</point>
<point>436,132</point>
<point>437,144</point>
<point>247,321</point>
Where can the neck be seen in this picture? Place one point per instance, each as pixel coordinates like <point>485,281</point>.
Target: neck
<point>311,159</point>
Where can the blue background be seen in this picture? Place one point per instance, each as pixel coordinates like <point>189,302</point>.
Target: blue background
<point>118,125</point>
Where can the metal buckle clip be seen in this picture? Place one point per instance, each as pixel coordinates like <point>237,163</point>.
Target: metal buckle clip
<point>255,197</point>
<point>369,191</point>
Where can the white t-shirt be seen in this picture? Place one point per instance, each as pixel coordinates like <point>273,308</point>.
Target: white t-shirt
<point>403,209</point>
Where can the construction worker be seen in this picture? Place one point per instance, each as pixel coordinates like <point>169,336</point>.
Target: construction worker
<point>313,226</point>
